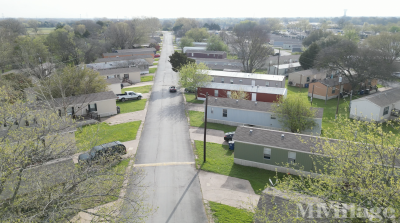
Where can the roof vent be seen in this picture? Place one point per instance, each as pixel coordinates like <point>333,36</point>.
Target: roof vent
<point>283,136</point>
<point>251,131</point>
<point>216,99</point>
<point>237,101</point>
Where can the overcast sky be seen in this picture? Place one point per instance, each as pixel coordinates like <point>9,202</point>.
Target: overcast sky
<point>195,9</point>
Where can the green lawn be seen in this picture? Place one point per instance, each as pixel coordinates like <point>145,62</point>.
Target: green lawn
<point>146,78</point>
<point>197,120</point>
<point>231,57</point>
<point>261,71</point>
<point>226,214</point>
<point>220,160</point>
<point>158,52</point>
<point>141,89</point>
<point>157,59</point>
<point>155,63</point>
<point>97,134</point>
<point>132,105</point>
<point>152,70</point>
<point>191,98</point>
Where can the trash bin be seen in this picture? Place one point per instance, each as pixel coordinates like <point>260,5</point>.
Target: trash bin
<point>118,110</point>
<point>306,85</point>
<point>361,92</point>
<point>231,145</point>
<point>366,91</point>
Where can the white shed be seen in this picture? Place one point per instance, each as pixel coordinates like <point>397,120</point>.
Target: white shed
<point>377,107</point>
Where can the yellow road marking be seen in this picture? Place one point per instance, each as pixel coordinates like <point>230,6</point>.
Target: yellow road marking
<point>163,164</point>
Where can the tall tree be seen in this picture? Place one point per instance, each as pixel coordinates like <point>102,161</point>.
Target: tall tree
<point>178,60</point>
<point>308,56</point>
<point>315,36</point>
<point>294,113</point>
<point>386,42</point>
<point>72,80</point>
<point>34,25</point>
<point>249,43</point>
<point>194,76</point>
<point>185,41</point>
<point>273,24</point>
<point>62,45</point>
<point>198,34</point>
<point>215,43</point>
<point>357,64</point>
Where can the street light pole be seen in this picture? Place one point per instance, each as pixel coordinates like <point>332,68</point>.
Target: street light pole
<point>337,106</point>
<point>205,128</point>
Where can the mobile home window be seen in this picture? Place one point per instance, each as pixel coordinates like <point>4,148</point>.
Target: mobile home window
<point>222,80</point>
<point>92,107</point>
<point>267,153</point>
<point>228,93</point>
<point>224,112</point>
<point>308,79</point>
<point>231,81</point>
<point>333,90</point>
<point>212,80</point>
<point>267,83</point>
<point>216,93</point>
<point>240,80</point>
<point>386,110</point>
<point>291,157</point>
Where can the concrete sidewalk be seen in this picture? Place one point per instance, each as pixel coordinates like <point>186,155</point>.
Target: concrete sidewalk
<point>214,136</point>
<point>195,107</point>
<point>227,190</point>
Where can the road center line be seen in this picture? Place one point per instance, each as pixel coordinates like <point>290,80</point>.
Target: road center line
<point>164,164</point>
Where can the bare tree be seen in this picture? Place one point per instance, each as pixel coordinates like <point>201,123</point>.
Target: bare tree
<point>249,43</point>
<point>385,42</point>
<point>240,95</point>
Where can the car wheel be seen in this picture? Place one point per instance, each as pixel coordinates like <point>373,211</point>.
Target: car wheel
<point>139,98</point>
<point>123,99</point>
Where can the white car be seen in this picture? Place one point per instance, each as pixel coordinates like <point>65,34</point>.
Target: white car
<point>129,95</point>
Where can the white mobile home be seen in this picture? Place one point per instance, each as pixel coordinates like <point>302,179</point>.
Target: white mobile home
<point>377,107</point>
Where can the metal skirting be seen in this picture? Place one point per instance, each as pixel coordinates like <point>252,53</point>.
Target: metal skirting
<point>273,167</point>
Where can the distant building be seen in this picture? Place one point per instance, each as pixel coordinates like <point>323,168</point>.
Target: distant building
<point>148,58</point>
<point>255,93</point>
<point>300,78</point>
<point>252,79</point>
<point>206,54</point>
<point>221,64</point>
<point>128,74</point>
<point>142,64</point>
<point>285,69</point>
<point>186,48</point>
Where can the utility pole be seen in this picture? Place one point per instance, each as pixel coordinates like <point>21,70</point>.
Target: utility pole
<point>205,128</point>
<point>337,106</point>
<point>279,55</point>
<point>312,94</point>
<point>301,76</point>
<point>351,94</point>
<point>269,67</point>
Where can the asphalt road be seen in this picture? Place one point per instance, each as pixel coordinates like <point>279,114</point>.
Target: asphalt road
<point>165,152</point>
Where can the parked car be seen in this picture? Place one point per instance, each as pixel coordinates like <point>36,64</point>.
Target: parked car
<point>228,136</point>
<point>157,55</point>
<point>190,90</point>
<point>172,89</point>
<point>129,95</point>
<point>103,152</point>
